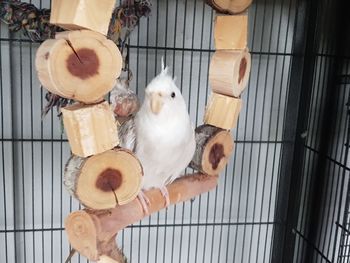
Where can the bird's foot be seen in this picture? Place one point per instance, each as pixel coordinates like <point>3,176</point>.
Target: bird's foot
<point>165,194</point>
<point>144,201</point>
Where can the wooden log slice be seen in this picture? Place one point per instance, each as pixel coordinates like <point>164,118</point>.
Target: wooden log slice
<point>78,14</point>
<point>230,6</point>
<point>104,180</point>
<point>80,65</point>
<point>214,148</point>
<point>229,72</point>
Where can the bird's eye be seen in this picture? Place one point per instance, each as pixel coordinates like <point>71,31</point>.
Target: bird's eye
<point>173,94</point>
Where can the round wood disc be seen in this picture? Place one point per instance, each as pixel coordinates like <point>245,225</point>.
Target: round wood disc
<point>110,178</point>
<point>80,65</point>
<point>217,152</point>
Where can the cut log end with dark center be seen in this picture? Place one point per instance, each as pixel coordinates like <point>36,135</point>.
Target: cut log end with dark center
<point>109,180</point>
<point>242,69</point>
<point>216,154</point>
<point>83,63</point>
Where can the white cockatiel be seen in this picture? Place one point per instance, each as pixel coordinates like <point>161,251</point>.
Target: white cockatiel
<point>165,140</point>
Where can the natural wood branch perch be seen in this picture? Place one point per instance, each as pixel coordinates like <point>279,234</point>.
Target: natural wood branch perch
<point>93,233</point>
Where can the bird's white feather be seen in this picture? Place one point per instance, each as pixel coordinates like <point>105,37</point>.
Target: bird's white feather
<point>165,141</point>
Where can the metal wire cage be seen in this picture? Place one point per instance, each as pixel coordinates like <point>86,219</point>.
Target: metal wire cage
<point>284,196</point>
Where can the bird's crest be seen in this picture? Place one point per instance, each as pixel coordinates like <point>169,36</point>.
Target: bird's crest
<point>164,68</point>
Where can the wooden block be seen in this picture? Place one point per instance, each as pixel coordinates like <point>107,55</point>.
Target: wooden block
<point>105,180</point>
<point>82,14</point>
<point>231,32</point>
<point>229,72</point>
<point>213,149</point>
<point>222,111</point>
<point>82,65</point>
<point>230,6</point>
<point>91,129</point>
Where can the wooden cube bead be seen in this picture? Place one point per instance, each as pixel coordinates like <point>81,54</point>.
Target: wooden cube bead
<point>91,129</point>
<point>231,31</point>
<point>222,111</point>
<point>82,14</point>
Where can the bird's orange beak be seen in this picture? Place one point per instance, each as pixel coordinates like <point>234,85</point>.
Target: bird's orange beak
<point>156,102</point>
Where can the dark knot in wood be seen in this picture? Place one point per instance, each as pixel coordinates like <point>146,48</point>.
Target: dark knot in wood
<point>216,154</point>
<point>109,180</point>
<point>83,63</point>
<point>242,69</point>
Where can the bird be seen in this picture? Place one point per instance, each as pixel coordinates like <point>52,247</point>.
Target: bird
<point>165,138</point>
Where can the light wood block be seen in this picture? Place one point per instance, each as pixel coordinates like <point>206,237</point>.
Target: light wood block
<point>231,32</point>
<point>222,111</point>
<point>229,72</point>
<point>91,129</point>
<point>82,14</point>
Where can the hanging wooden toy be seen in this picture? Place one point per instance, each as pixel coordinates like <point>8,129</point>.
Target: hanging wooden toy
<point>83,65</point>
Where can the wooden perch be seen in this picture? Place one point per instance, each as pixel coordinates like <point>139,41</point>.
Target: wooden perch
<point>81,65</point>
<point>230,6</point>
<point>93,234</point>
<point>91,129</point>
<point>229,72</point>
<point>105,180</point>
<point>231,31</point>
<point>80,14</point>
<point>222,111</point>
<point>214,147</point>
